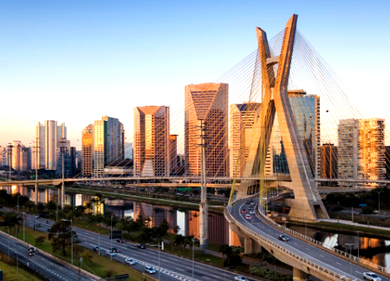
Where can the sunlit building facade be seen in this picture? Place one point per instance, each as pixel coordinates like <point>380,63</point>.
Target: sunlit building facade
<point>48,137</point>
<point>206,105</point>
<point>328,162</point>
<point>108,143</point>
<point>173,154</point>
<point>242,119</point>
<point>86,150</point>
<point>151,141</point>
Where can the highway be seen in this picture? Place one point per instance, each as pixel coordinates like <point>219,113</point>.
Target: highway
<point>299,247</point>
<point>48,268</point>
<point>168,267</point>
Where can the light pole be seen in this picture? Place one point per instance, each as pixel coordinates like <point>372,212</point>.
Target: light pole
<point>71,239</point>
<point>358,244</point>
<point>379,201</point>
<point>224,273</point>
<point>159,269</point>
<point>350,255</point>
<point>111,239</point>
<point>193,264</point>
<point>24,223</point>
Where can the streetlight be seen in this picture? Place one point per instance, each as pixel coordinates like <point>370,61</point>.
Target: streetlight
<point>71,238</point>
<point>193,264</point>
<point>350,255</point>
<point>224,273</point>
<point>111,238</point>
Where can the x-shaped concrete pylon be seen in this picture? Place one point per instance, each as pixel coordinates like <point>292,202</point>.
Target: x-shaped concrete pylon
<point>307,204</point>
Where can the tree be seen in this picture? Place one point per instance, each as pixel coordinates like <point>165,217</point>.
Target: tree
<point>39,240</point>
<point>223,249</point>
<point>87,257</point>
<point>60,236</point>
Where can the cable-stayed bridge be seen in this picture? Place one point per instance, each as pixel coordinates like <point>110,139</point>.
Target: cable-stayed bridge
<point>281,128</point>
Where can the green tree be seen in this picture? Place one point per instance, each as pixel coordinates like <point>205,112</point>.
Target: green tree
<point>60,236</point>
<point>39,240</point>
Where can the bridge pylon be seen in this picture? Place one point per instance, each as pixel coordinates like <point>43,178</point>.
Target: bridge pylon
<point>307,204</point>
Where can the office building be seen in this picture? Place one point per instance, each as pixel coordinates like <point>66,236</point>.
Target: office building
<point>242,119</point>
<point>206,112</point>
<point>329,163</point>
<point>86,150</point>
<point>173,154</point>
<point>151,141</point>
<point>108,143</point>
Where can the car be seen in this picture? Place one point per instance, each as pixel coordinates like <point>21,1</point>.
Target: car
<point>96,248</point>
<point>149,269</point>
<point>252,212</point>
<point>130,261</point>
<point>247,202</point>
<point>243,211</point>
<point>48,230</point>
<point>284,237</point>
<point>119,240</point>
<point>114,250</point>
<point>38,225</point>
<point>30,254</point>
<point>32,249</point>
<point>240,278</point>
<point>248,216</point>
<point>141,246</point>
<point>371,276</point>
<point>110,253</point>
<point>253,203</point>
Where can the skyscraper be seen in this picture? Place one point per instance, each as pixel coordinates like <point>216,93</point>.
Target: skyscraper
<point>173,154</point>
<point>329,161</point>
<point>306,112</point>
<point>207,105</point>
<point>46,147</point>
<point>151,141</point>
<point>86,149</point>
<point>361,150</point>
<point>242,119</point>
<point>108,143</point>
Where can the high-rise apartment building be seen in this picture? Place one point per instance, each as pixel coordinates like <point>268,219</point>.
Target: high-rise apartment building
<point>86,150</point>
<point>242,119</point>
<point>108,143</point>
<point>151,141</point>
<point>372,150</point>
<point>329,162</point>
<point>47,142</point>
<point>361,150</point>
<point>206,108</point>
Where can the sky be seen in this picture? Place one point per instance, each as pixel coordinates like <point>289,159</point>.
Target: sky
<point>75,61</point>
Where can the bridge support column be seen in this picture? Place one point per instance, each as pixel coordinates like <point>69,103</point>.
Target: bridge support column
<point>248,249</point>
<point>299,275</point>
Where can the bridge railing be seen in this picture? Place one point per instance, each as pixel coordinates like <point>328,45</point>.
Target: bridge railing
<point>299,258</point>
<point>369,264</point>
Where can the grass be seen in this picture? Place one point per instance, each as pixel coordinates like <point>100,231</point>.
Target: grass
<point>99,265</point>
<point>13,273</point>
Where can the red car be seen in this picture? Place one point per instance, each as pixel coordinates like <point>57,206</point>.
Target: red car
<point>248,216</point>
<point>243,211</point>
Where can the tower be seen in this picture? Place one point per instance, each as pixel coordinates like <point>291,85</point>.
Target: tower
<point>151,141</point>
<point>307,204</point>
<point>86,150</point>
<point>207,103</point>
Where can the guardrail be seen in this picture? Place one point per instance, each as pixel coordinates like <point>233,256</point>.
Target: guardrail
<point>307,262</point>
<point>370,265</point>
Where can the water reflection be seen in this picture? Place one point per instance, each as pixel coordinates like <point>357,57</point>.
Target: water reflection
<point>371,249</point>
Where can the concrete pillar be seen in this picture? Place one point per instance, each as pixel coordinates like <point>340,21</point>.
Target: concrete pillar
<point>248,246</point>
<point>299,275</point>
<point>256,247</point>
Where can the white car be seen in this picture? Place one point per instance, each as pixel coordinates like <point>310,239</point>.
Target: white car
<point>371,276</point>
<point>240,278</point>
<point>149,269</point>
<point>130,261</point>
<point>110,253</point>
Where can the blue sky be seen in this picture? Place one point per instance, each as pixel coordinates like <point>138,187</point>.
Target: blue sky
<point>76,61</point>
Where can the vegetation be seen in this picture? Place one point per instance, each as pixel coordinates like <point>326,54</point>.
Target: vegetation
<point>268,274</point>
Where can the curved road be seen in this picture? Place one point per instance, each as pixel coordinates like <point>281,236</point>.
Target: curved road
<point>299,247</point>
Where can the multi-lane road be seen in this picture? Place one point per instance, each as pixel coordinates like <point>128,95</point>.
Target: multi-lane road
<point>168,267</point>
<point>299,247</point>
<point>46,266</point>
